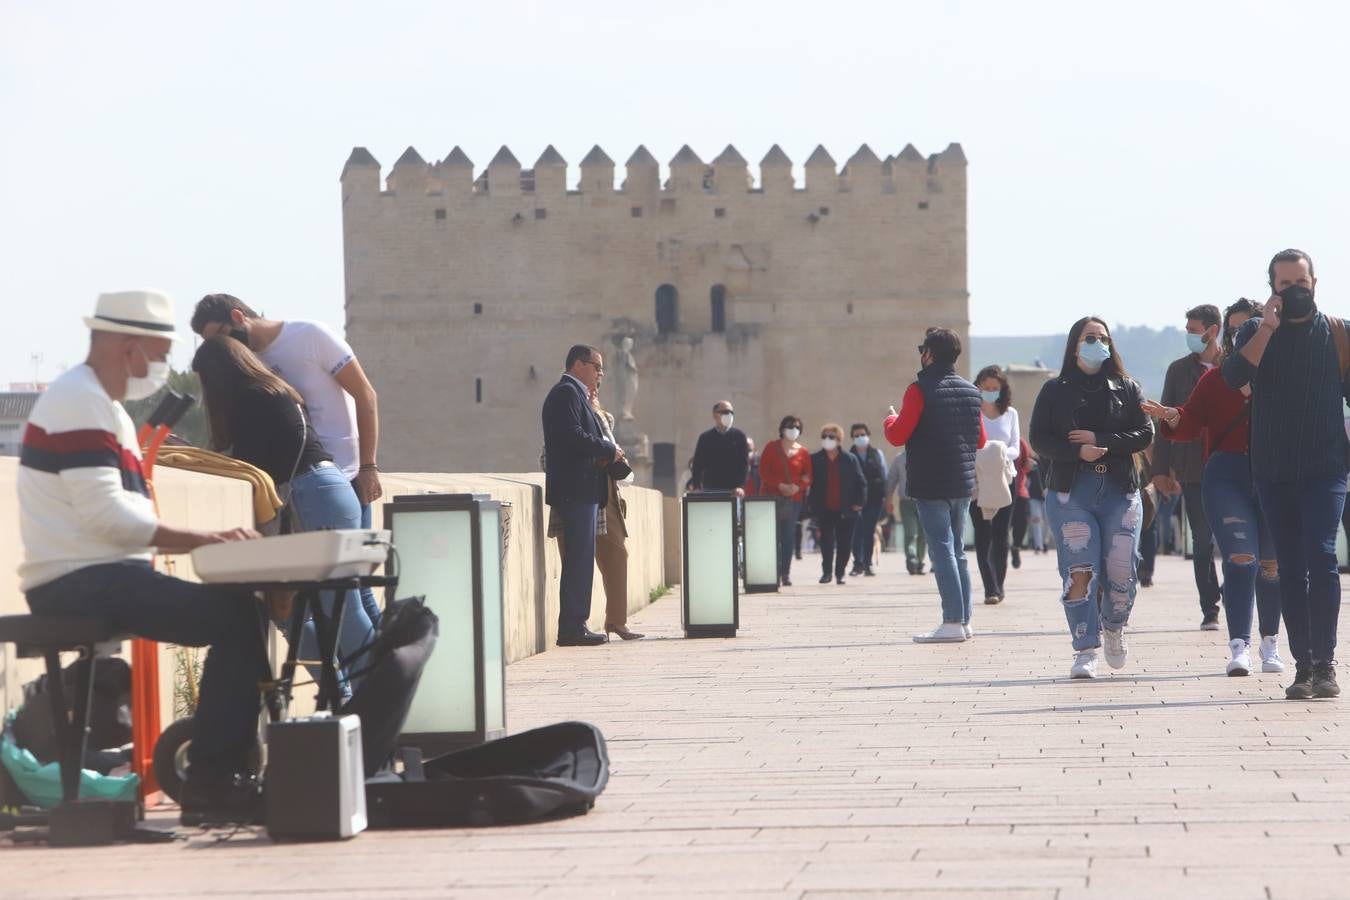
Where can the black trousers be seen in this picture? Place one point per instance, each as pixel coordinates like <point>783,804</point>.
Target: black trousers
<point>991,547</point>
<point>1202,542</point>
<point>836,533</point>
<point>1021,518</point>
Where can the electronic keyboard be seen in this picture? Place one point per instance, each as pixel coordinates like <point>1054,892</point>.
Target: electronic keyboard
<point>309,556</point>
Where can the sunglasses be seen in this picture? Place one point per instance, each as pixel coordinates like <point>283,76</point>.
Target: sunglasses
<point>600,370</point>
<point>1093,339</point>
<point>923,348</point>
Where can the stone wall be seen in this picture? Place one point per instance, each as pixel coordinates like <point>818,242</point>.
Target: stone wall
<point>532,565</point>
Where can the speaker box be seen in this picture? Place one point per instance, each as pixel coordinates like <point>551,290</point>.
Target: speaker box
<point>315,784</point>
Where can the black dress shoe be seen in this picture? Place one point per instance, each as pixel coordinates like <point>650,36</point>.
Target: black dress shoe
<point>825,579</point>
<point>583,638</point>
<point>839,579</point>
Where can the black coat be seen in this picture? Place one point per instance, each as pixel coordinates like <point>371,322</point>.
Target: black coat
<point>1128,431</point>
<point>852,484</point>
<point>574,448</point>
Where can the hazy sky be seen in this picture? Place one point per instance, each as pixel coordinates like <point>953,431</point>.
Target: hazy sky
<point>1127,159</point>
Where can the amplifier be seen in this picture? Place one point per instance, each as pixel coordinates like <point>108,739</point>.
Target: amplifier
<point>316,786</point>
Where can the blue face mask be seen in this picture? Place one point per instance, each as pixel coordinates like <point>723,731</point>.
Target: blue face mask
<point>1093,355</point>
<point>1196,342</point>
<point>990,396</point>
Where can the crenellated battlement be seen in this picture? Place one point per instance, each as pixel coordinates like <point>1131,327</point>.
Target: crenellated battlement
<point>728,174</point>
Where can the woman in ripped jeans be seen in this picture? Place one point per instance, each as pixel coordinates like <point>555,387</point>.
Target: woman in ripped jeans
<point>1087,425</point>
<point>1220,415</point>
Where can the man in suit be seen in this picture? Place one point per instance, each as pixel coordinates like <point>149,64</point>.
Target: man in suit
<point>576,485</point>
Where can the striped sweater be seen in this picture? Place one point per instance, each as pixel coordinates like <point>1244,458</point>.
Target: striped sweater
<point>83,499</point>
<point>1298,402</point>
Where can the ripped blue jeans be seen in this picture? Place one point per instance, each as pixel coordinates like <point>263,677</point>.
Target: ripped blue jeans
<point>1095,527</point>
<point>1244,540</point>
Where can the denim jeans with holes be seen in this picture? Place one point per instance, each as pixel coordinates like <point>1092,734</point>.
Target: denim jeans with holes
<point>1245,541</point>
<point>1095,527</point>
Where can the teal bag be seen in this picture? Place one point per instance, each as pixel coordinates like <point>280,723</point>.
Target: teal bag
<point>42,784</point>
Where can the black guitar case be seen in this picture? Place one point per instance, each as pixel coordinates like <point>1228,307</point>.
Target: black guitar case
<point>547,773</point>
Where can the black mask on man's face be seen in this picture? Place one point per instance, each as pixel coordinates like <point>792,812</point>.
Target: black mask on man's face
<point>1298,302</point>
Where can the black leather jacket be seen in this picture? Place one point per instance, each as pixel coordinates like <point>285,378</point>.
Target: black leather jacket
<point>1128,431</point>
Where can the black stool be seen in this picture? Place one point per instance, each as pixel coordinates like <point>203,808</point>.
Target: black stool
<point>72,823</point>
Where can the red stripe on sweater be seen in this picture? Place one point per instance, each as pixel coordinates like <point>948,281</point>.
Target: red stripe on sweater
<point>81,441</point>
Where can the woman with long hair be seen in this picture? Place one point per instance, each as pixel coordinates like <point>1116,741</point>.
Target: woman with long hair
<point>1086,427</point>
<point>991,536</point>
<point>1218,416</point>
<point>785,473</point>
<point>256,417</point>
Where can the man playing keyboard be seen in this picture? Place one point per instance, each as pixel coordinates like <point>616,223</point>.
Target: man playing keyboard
<point>89,527</point>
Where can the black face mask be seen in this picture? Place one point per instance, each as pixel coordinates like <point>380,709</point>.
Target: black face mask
<point>1298,302</point>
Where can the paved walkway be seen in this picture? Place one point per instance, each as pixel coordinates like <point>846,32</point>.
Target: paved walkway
<point>822,754</point>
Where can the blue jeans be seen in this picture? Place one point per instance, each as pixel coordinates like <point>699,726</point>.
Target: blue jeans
<point>367,595</point>
<point>1036,525</point>
<point>1244,539</point>
<point>789,511</point>
<point>1303,517</point>
<point>151,605</point>
<point>578,565</point>
<point>1096,530</point>
<point>864,535</point>
<point>944,525</point>
<point>323,500</point>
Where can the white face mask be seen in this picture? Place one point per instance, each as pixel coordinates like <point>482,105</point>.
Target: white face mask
<point>792,433</point>
<point>726,419</point>
<point>829,443</point>
<point>141,386</point>
<point>861,441</point>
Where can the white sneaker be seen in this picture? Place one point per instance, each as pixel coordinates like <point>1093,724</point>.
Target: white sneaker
<point>1241,663</point>
<point>946,633</point>
<point>1270,654</point>
<point>1084,665</point>
<point>970,632</point>
<point>1113,642</point>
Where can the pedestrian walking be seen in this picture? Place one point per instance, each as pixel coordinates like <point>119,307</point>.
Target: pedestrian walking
<point>991,535</point>
<point>874,472</point>
<point>785,471</point>
<point>1178,465</point>
<point>939,424</point>
<point>903,509</point>
<point>838,494</point>
<point>1295,358</point>
<point>1085,428</point>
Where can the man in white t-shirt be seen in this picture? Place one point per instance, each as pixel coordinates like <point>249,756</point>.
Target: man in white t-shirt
<point>89,527</point>
<point>320,364</point>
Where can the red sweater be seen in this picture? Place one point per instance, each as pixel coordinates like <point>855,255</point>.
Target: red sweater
<point>776,468</point>
<point>1207,413</point>
<point>900,428</point>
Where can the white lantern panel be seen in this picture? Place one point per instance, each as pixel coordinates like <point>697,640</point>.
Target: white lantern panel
<point>711,563</point>
<point>761,543</point>
<point>494,688</point>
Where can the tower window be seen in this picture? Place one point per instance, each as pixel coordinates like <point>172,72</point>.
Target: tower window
<point>478,309</point>
<point>635,212</point>
<point>718,301</point>
<point>440,215</point>
<point>667,309</point>
<point>478,390</point>
<point>541,213</point>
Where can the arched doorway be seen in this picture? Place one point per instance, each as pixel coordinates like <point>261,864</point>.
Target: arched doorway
<point>667,309</point>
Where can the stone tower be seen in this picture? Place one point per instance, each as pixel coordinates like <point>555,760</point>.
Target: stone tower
<point>463,294</point>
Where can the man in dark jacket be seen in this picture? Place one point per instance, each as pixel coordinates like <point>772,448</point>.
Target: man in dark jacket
<point>1179,465</point>
<point>838,494</point>
<point>874,471</point>
<point>1292,359</point>
<point>577,485</point>
<point>939,423</point>
<point>722,454</point>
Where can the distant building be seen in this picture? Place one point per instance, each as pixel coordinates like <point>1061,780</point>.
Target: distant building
<point>15,408</point>
<point>464,292</point>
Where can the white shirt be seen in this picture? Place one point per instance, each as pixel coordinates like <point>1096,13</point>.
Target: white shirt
<point>308,356</point>
<point>1005,429</point>
<point>83,500</point>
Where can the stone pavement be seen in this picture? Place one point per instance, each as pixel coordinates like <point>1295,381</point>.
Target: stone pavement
<point>822,754</point>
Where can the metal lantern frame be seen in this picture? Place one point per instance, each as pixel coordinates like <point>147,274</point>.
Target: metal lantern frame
<point>750,506</point>
<point>719,629</point>
<point>432,742</point>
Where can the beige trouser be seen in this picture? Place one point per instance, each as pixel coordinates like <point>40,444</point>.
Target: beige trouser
<point>611,555</point>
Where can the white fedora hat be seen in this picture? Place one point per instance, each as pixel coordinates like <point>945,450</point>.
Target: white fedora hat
<point>147,313</point>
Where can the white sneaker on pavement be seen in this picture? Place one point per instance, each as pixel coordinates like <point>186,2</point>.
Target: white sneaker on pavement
<point>946,633</point>
<point>1241,663</point>
<point>970,632</point>
<point>1084,665</point>
<point>1113,642</point>
<point>1270,654</point>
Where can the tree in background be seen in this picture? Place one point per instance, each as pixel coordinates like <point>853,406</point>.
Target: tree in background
<point>192,427</point>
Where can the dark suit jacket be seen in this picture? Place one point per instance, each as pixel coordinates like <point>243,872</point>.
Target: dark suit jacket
<point>852,484</point>
<point>573,445</point>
